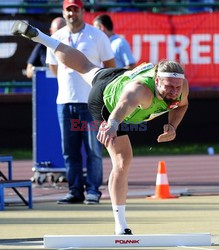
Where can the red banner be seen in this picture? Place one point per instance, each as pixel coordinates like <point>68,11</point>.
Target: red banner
<point>192,39</point>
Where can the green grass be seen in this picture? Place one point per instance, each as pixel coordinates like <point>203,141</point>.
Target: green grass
<point>173,149</point>
<point>18,154</point>
<point>145,150</point>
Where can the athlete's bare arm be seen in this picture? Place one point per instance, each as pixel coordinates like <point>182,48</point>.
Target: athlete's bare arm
<point>135,94</point>
<point>175,116</point>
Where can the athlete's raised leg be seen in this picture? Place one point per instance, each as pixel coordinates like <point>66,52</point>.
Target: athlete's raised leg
<point>69,56</point>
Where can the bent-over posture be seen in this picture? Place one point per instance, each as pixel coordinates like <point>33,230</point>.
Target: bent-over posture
<point>119,96</point>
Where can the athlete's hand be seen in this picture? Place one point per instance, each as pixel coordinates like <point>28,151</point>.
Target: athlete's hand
<point>169,133</point>
<point>106,134</point>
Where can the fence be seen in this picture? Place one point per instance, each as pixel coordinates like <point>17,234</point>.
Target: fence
<point>55,6</point>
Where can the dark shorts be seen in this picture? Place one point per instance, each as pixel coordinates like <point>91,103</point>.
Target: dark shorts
<point>95,101</point>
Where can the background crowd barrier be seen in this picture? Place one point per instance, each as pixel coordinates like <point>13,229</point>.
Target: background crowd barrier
<point>47,154</point>
<point>193,39</point>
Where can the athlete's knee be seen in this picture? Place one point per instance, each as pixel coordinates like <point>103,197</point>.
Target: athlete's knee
<point>122,164</point>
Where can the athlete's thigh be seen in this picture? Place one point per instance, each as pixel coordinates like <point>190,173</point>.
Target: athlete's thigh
<point>121,150</point>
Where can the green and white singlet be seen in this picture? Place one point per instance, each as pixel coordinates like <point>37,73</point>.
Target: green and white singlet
<point>145,74</point>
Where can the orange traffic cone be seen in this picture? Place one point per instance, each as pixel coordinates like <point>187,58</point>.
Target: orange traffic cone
<point>162,190</point>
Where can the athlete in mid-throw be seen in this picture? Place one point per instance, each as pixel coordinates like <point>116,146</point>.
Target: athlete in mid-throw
<point>119,97</point>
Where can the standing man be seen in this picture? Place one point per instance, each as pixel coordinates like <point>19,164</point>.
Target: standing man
<point>38,55</point>
<point>121,49</point>
<point>72,104</point>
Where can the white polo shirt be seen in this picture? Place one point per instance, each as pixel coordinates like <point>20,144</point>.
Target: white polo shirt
<point>95,45</point>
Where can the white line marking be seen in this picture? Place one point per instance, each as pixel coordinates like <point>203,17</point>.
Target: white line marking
<point>154,240</point>
<point>196,248</point>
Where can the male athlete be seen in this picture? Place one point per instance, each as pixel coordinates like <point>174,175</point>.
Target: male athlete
<point>119,96</point>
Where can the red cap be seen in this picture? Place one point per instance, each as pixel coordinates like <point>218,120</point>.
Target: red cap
<point>68,3</point>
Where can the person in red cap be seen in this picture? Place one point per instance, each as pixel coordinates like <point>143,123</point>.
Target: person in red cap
<point>72,104</point>
<point>69,3</point>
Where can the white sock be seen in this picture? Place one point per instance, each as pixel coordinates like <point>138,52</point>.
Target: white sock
<point>119,216</point>
<point>46,40</point>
